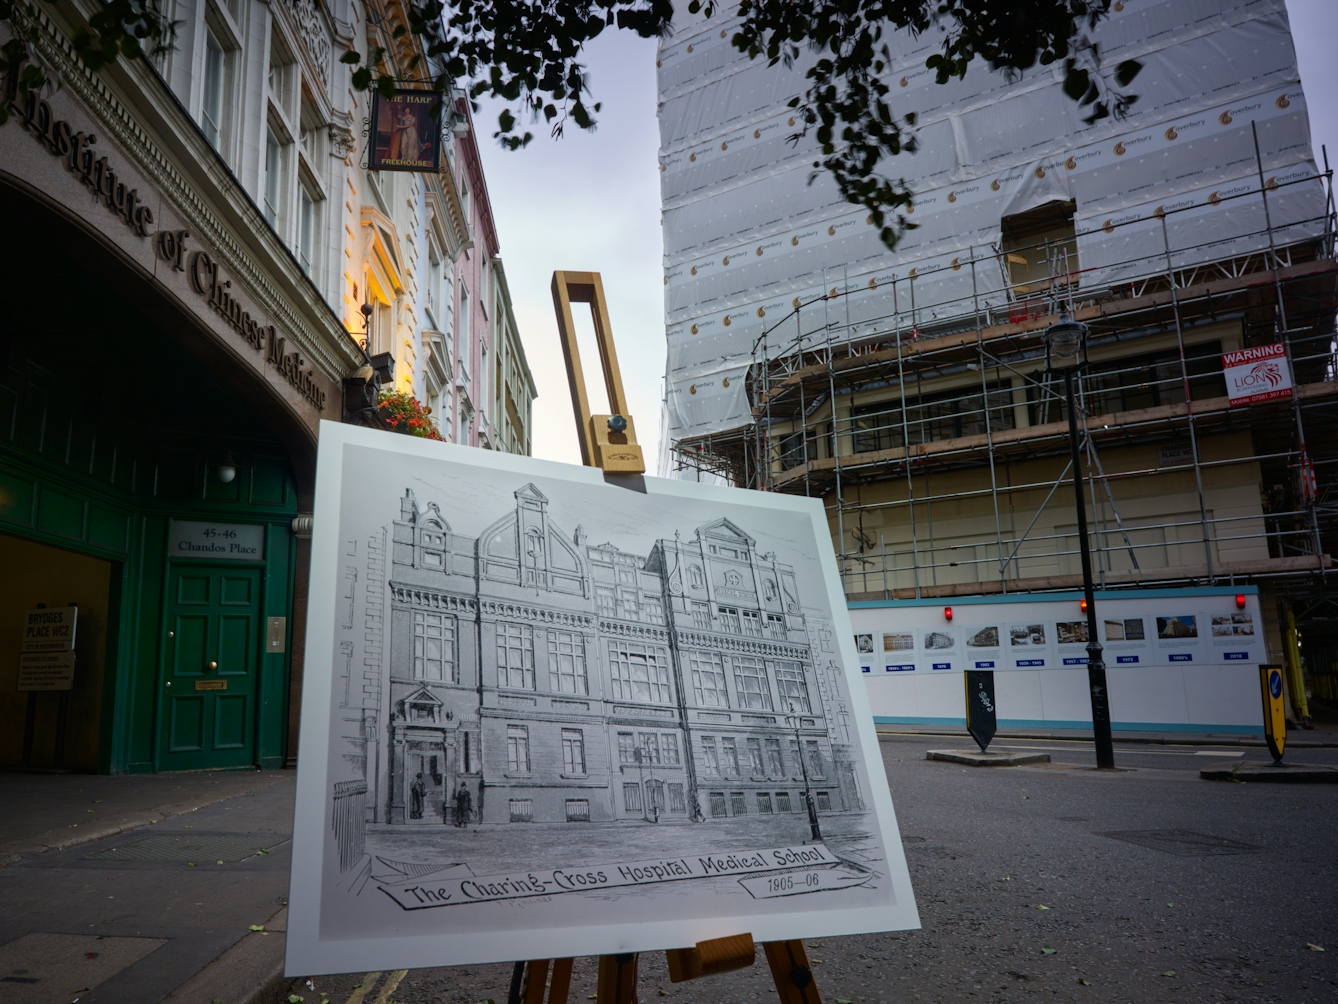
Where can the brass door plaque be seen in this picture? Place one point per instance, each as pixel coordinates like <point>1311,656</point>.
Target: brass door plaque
<point>211,684</point>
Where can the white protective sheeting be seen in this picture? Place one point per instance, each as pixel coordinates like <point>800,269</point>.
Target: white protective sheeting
<point>751,231</point>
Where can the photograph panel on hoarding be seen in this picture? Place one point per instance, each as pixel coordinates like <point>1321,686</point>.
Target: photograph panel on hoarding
<point>939,649</point>
<point>545,715</point>
<point>898,651</point>
<point>1124,629</point>
<point>1071,632</point>
<point>1177,627</point>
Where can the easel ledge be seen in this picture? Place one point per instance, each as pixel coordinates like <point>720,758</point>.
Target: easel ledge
<point>609,442</point>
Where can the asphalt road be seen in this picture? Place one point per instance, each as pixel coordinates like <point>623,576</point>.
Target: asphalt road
<point>1051,883</point>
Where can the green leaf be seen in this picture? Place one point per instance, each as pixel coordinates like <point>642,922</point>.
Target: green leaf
<point>352,57</point>
<point>1126,71</point>
<point>1076,83</point>
<point>1083,982</point>
<point>1169,972</point>
<point>1047,950</point>
<point>256,927</point>
<point>1314,947</point>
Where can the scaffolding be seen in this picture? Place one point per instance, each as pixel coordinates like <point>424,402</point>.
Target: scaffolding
<point>965,417</point>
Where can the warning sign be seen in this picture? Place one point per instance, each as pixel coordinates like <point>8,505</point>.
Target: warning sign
<point>1257,374</point>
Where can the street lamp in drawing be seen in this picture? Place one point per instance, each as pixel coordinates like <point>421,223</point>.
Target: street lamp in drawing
<point>1064,342</point>
<point>814,830</point>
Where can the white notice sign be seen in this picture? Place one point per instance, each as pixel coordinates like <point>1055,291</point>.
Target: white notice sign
<point>50,629</point>
<point>46,671</point>
<point>1257,374</point>
<point>217,541</point>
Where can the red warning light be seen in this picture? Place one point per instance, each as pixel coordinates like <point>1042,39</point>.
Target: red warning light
<point>1082,605</point>
<point>947,613</point>
<point>1240,601</point>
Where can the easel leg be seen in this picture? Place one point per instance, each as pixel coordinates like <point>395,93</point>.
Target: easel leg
<point>560,984</point>
<point>536,975</point>
<point>517,972</point>
<point>617,979</point>
<point>790,970</point>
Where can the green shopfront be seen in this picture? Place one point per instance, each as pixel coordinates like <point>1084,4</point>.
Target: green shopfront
<point>164,366</point>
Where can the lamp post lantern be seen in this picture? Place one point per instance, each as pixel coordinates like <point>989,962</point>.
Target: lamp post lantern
<point>1063,345</point>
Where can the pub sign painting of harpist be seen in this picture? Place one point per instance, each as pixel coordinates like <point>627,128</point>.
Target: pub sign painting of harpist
<point>406,133</point>
<point>547,715</point>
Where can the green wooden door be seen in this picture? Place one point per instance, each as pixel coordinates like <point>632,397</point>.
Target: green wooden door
<point>210,663</point>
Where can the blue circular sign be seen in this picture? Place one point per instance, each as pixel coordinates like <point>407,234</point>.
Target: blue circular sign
<point>1275,683</point>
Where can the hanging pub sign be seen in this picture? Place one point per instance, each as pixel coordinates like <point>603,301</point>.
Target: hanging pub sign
<point>1257,374</point>
<point>406,132</point>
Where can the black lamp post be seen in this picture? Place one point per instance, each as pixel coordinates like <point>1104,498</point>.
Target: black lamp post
<point>813,828</point>
<point>1063,344</point>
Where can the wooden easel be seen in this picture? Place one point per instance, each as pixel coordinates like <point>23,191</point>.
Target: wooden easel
<point>609,442</point>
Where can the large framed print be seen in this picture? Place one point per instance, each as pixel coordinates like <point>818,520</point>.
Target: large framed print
<point>406,131</point>
<point>546,714</point>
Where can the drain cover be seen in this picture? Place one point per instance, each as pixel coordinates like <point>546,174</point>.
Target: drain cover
<point>178,847</point>
<point>1186,843</point>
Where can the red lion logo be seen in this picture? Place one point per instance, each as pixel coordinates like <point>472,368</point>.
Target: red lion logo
<point>1266,372</point>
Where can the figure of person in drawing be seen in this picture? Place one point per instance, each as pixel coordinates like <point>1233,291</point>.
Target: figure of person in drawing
<point>404,136</point>
<point>464,805</point>
<point>417,792</point>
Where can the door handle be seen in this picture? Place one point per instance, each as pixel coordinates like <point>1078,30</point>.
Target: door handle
<point>213,665</point>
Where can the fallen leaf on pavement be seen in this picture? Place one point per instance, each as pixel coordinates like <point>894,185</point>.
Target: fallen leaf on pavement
<point>1169,972</point>
<point>256,927</point>
<point>1046,950</point>
<point>1314,947</point>
<point>1041,906</point>
<point>1083,982</point>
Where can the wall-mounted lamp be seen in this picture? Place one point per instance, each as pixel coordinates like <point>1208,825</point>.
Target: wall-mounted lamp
<point>1240,601</point>
<point>226,471</point>
<point>947,613</point>
<point>1082,605</point>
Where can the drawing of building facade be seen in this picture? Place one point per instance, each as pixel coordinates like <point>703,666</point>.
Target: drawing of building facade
<point>562,681</point>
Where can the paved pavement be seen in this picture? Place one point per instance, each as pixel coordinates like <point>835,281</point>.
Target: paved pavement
<point>173,878</point>
<point>1145,872</point>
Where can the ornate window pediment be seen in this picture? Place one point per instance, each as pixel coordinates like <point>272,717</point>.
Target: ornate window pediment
<point>422,707</point>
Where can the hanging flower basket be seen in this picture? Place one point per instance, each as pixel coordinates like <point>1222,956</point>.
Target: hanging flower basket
<point>404,413</point>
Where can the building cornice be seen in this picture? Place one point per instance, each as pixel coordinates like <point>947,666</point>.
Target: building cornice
<point>267,269</point>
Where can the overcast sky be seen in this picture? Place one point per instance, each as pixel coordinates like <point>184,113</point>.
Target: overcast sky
<point>591,202</point>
